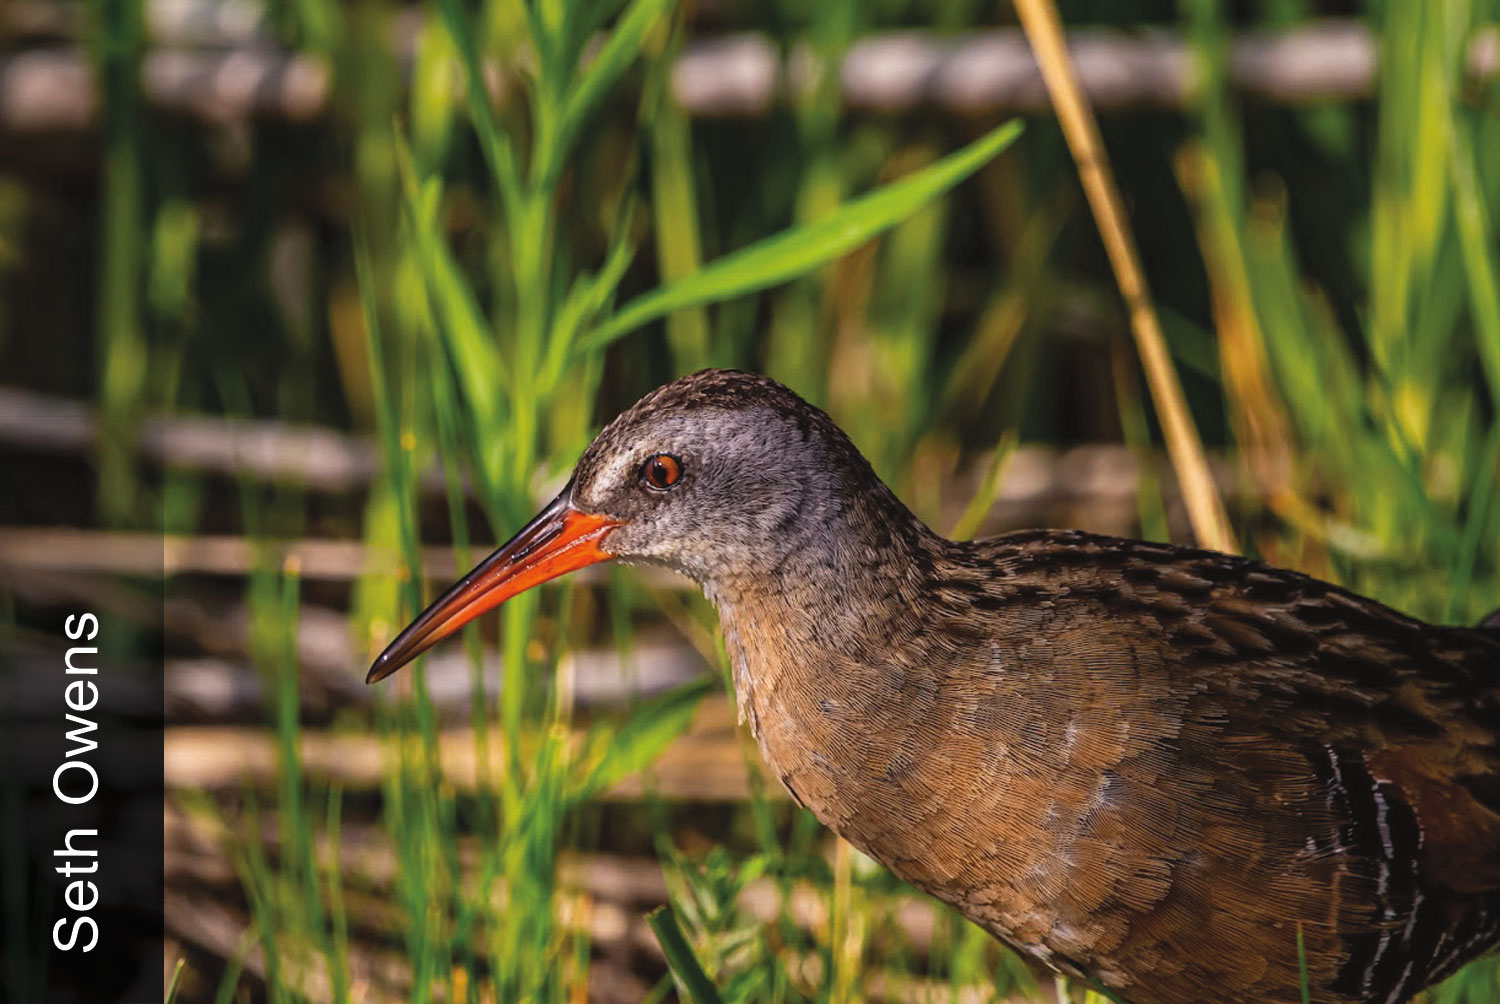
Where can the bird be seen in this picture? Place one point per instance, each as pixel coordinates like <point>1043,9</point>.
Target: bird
<point>1178,774</point>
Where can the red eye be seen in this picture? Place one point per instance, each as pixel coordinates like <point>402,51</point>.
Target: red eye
<point>661,471</point>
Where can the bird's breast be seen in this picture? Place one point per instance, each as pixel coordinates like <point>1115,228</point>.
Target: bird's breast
<point>889,745</point>
<point>844,733</point>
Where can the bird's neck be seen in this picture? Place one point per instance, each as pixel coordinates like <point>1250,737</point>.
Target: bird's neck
<point>832,607</point>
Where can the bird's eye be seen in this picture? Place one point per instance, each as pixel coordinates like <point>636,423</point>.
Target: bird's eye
<point>661,471</point>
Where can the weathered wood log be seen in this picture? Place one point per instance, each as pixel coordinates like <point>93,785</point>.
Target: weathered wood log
<point>1039,482</point>
<point>707,764</point>
<point>238,71</point>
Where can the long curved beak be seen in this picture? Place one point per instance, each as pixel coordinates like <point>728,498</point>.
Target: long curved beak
<point>559,539</point>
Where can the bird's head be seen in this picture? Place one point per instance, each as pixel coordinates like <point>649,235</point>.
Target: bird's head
<point>724,476</point>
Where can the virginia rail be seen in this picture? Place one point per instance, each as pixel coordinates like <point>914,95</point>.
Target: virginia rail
<point>1142,764</point>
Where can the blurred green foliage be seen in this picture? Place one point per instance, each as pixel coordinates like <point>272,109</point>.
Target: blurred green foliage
<point>481,266</point>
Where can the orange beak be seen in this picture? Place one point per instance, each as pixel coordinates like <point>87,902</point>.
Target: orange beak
<point>558,540</point>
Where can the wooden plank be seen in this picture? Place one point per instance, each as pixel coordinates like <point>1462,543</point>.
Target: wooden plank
<point>706,764</point>
<point>229,69</point>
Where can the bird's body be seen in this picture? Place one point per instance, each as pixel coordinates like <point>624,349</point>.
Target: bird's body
<point>1146,765</point>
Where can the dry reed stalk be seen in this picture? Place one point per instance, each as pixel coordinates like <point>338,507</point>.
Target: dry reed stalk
<point>1257,414</point>
<point>1205,508</point>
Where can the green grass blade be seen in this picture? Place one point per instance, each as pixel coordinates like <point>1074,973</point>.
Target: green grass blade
<point>985,496</point>
<point>229,982</point>
<point>1477,242</point>
<point>456,314</point>
<point>589,295</point>
<point>1302,966</point>
<point>674,203</point>
<point>124,352</point>
<point>635,744</point>
<point>1480,512</point>
<point>495,144</point>
<point>337,951</point>
<point>680,957</point>
<point>797,251</point>
<point>176,978</point>
<point>614,58</point>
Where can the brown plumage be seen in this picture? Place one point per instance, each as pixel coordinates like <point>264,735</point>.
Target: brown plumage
<point>1143,764</point>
